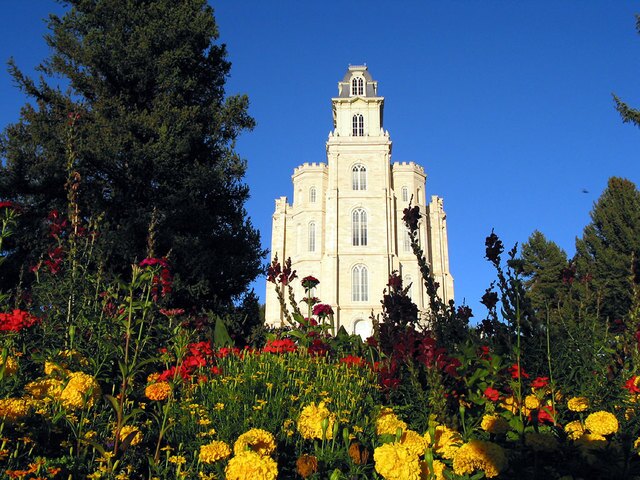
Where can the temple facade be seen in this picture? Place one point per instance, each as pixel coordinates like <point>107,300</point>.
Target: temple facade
<point>345,227</point>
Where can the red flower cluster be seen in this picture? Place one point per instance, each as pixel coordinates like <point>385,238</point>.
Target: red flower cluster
<point>199,356</point>
<point>309,282</point>
<point>16,321</point>
<point>7,204</point>
<point>318,348</point>
<point>353,361</point>
<point>161,283</point>
<point>322,310</point>
<point>540,382</point>
<point>517,372</point>
<point>284,345</point>
<point>57,224</point>
<point>632,385</point>
<point>284,275</point>
<point>491,394</point>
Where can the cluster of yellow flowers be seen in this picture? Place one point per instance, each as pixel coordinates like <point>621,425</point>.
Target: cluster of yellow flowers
<point>10,366</point>
<point>158,391</point>
<point>479,455</point>
<point>251,459</point>
<point>495,424</point>
<point>214,451</point>
<point>592,433</point>
<point>316,421</point>
<point>388,423</point>
<point>13,409</point>
<point>256,440</point>
<point>132,432</point>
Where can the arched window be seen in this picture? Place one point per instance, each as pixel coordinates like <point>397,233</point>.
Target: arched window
<point>359,177</point>
<point>312,236</point>
<point>357,86</point>
<point>359,227</point>
<point>312,195</point>
<point>364,328</point>
<point>406,242</point>
<point>358,125</point>
<point>359,284</point>
<point>405,194</point>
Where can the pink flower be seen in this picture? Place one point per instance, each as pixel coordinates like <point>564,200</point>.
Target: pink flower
<point>322,310</point>
<point>309,282</point>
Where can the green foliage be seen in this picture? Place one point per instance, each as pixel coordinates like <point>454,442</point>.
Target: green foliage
<point>627,113</point>
<point>154,145</point>
<point>608,254</point>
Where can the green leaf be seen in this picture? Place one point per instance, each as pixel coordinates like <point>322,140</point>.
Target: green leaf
<point>221,337</point>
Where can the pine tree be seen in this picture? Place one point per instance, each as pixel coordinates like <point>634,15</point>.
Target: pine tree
<point>627,113</point>
<point>543,264</point>
<point>155,143</point>
<point>608,254</point>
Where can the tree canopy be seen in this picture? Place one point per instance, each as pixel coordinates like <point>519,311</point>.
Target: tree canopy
<point>154,143</point>
<point>627,113</point>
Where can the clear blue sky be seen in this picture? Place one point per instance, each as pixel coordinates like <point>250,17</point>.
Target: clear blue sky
<point>507,105</point>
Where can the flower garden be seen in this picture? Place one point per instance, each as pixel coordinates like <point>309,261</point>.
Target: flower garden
<point>101,379</point>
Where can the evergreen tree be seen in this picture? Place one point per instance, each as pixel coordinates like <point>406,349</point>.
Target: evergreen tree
<point>154,144</point>
<point>627,113</point>
<point>543,264</point>
<point>608,253</point>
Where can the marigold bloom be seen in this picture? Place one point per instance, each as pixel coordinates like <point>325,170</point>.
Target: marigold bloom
<point>306,465</point>
<point>388,423</point>
<point>438,470</point>
<point>214,451</point>
<point>10,366</point>
<point>495,424</point>
<point>578,404</point>
<point>574,429</point>
<point>45,388</point>
<point>256,440</point>
<point>12,409</point>
<point>311,421</point>
<point>601,423</point>
<point>394,461</point>
<point>158,391</point>
<point>510,405</point>
<point>479,455</point>
<point>249,465</point>
<point>540,442</point>
<point>414,442</point>
<point>591,441</point>
<point>128,430</point>
<point>447,441</point>
<point>531,402</point>
<point>82,390</point>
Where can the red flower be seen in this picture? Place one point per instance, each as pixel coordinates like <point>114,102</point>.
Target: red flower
<point>16,321</point>
<point>353,361</point>
<point>9,205</point>
<point>632,385</point>
<point>540,382</point>
<point>546,414</point>
<point>322,310</point>
<point>309,282</point>
<point>492,394</point>
<point>318,348</point>
<point>484,353</point>
<point>517,372</point>
<point>216,370</point>
<point>280,346</point>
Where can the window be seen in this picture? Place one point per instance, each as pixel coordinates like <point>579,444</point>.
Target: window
<point>359,284</point>
<point>406,242</point>
<point>359,177</point>
<point>357,86</point>
<point>358,125</point>
<point>359,227</point>
<point>408,283</point>
<point>312,236</point>
<point>312,195</point>
<point>405,194</point>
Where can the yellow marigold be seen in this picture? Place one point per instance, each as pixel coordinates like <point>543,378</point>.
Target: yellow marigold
<point>510,405</point>
<point>128,430</point>
<point>414,442</point>
<point>311,420</point>
<point>540,442</point>
<point>591,441</point>
<point>479,455</point>
<point>601,423</point>
<point>214,451</point>
<point>495,424</point>
<point>158,391</point>
<point>578,404</point>
<point>438,470</point>
<point>636,444</point>
<point>306,465</point>
<point>447,441</point>
<point>10,366</point>
<point>177,460</point>
<point>388,423</point>
<point>531,402</point>
<point>54,368</point>
<point>12,409</point>
<point>81,390</point>
<point>256,440</point>
<point>248,465</point>
<point>394,461</point>
<point>44,388</point>
<point>574,429</point>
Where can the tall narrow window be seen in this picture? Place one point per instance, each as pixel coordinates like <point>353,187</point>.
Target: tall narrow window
<point>405,194</point>
<point>358,125</point>
<point>359,227</point>
<point>357,86</point>
<point>312,195</point>
<point>359,177</point>
<point>312,236</point>
<point>359,284</point>
<point>406,242</point>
